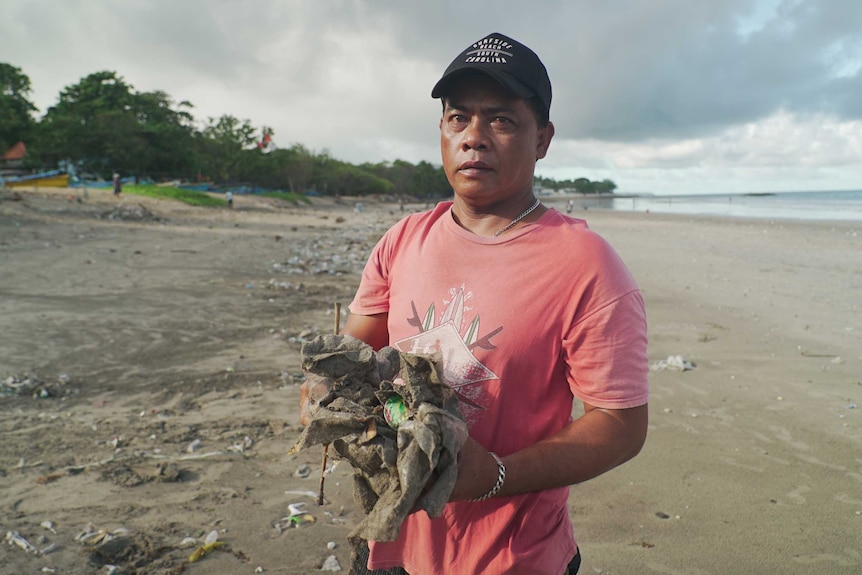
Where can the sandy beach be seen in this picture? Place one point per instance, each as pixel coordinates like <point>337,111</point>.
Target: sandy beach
<point>161,343</point>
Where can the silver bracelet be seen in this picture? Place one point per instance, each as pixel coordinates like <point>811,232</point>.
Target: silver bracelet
<point>501,477</point>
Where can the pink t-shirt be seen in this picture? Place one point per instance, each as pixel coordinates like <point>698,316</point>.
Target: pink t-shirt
<point>524,322</point>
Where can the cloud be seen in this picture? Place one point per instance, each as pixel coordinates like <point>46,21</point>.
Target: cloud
<point>781,152</point>
<point>641,85</point>
<point>782,139</point>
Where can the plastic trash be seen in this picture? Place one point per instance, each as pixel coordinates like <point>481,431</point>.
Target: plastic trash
<point>395,412</point>
<point>331,564</point>
<point>16,539</point>
<point>211,542</point>
<point>673,363</point>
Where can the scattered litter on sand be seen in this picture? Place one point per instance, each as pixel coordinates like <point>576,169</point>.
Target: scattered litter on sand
<point>297,518</point>
<point>136,213</point>
<point>35,386</point>
<point>673,363</point>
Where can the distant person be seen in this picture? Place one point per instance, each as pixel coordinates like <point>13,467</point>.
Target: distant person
<point>570,205</point>
<point>531,308</point>
<point>229,197</point>
<point>118,185</point>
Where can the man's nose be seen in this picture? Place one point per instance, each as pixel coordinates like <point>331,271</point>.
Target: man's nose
<point>475,135</point>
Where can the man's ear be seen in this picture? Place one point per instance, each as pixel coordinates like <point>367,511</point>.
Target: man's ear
<point>543,142</point>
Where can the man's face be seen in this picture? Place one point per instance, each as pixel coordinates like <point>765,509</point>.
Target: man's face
<point>489,141</point>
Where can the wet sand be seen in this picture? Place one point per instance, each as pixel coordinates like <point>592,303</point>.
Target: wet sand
<point>165,339</point>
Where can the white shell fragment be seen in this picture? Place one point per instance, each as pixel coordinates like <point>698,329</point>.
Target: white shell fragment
<point>49,525</point>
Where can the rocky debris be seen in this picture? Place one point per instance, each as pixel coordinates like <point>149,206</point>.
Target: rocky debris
<point>30,384</point>
<point>328,255</point>
<point>136,213</point>
<point>331,564</point>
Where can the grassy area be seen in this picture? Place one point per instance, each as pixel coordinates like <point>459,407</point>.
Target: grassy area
<point>196,198</point>
<point>287,197</point>
<point>191,197</point>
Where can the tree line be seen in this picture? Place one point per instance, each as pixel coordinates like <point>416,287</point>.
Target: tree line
<point>102,124</point>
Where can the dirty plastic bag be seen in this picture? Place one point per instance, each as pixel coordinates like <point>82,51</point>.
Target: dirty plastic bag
<point>395,472</point>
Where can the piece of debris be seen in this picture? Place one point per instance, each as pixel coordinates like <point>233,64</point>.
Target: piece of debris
<point>35,386</point>
<point>673,363</point>
<point>331,564</point>
<point>16,539</point>
<point>210,543</point>
<point>392,468</point>
<point>137,213</point>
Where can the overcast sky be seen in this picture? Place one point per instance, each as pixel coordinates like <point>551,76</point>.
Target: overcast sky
<point>663,96</point>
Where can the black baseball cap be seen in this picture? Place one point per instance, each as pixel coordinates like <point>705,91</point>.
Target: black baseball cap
<point>508,62</point>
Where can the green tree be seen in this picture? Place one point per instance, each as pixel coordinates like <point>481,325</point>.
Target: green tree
<point>422,180</point>
<point>400,173</point>
<point>583,186</point>
<point>166,133</point>
<point>101,124</point>
<point>93,125</point>
<point>226,146</point>
<point>292,168</point>
<point>605,187</point>
<point>334,177</point>
<point>430,182</point>
<point>16,110</point>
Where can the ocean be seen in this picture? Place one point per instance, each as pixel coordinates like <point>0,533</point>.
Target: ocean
<point>841,205</point>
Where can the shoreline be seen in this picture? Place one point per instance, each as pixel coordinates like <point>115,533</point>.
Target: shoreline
<point>842,206</point>
<point>185,324</point>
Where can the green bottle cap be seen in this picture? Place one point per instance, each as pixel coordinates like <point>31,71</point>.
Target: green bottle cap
<point>394,411</point>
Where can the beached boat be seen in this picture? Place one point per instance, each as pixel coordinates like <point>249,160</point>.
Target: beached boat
<point>52,179</point>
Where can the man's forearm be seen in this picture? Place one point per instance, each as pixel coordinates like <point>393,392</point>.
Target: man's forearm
<point>588,447</point>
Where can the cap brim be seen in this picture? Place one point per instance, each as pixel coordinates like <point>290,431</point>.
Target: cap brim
<point>509,82</point>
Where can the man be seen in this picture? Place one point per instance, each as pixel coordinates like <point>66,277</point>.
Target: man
<point>118,184</point>
<point>528,309</point>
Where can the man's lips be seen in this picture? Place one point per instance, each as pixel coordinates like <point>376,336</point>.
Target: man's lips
<point>474,168</point>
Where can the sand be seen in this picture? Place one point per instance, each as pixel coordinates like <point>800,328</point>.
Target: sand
<point>152,325</point>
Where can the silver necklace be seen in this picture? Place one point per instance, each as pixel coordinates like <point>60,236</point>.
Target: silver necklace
<point>519,218</point>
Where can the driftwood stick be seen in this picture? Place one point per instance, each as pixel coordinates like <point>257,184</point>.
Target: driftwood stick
<point>322,475</point>
<point>337,327</point>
